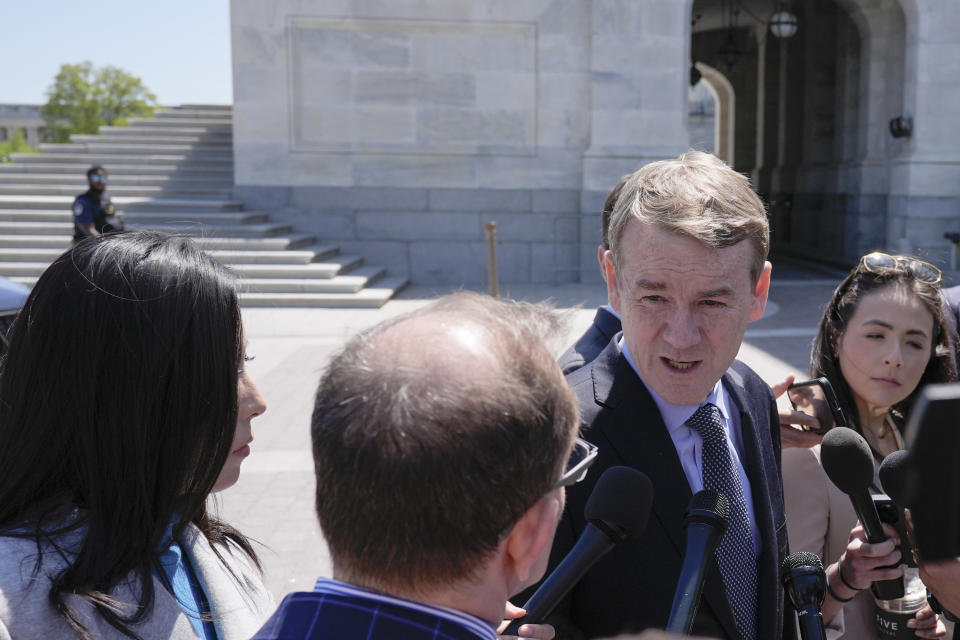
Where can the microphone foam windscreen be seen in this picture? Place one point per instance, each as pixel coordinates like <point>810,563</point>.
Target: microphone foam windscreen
<point>710,500</point>
<point>894,478</point>
<point>800,559</point>
<point>847,460</point>
<point>621,497</point>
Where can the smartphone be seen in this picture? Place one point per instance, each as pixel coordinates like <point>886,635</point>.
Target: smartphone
<point>893,515</point>
<point>816,398</point>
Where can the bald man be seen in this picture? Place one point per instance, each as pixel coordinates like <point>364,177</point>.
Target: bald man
<point>441,441</point>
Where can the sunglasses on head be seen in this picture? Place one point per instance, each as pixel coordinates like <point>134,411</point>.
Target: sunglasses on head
<point>878,262</point>
<point>583,455</point>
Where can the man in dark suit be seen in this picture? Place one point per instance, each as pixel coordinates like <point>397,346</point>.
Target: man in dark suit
<point>442,443</point>
<point>606,322</point>
<point>687,272</point>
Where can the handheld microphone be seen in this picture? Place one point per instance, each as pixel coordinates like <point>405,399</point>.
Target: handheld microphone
<point>895,479</point>
<point>805,582</point>
<point>616,511</point>
<point>848,462</point>
<point>705,523</point>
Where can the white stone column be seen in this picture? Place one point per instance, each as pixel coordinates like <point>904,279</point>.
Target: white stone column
<point>925,177</point>
<point>639,75</point>
<point>639,69</point>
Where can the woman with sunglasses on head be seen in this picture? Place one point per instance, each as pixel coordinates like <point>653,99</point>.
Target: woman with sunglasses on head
<point>881,338</point>
<point>124,403</point>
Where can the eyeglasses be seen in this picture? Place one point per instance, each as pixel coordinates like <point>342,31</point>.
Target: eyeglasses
<point>583,455</point>
<point>923,271</point>
<point>98,178</point>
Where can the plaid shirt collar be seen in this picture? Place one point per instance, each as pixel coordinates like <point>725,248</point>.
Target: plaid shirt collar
<point>472,623</point>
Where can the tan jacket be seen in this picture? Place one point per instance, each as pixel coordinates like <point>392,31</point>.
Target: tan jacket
<point>819,519</point>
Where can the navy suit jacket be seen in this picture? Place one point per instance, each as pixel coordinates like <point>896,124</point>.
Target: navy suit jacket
<point>632,587</point>
<point>591,343</point>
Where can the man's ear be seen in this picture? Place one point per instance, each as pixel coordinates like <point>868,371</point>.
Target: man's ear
<point>527,547</point>
<point>610,275</point>
<point>760,293</point>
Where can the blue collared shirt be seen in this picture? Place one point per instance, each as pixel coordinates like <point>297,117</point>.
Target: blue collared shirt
<point>184,586</point>
<point>689,443</point>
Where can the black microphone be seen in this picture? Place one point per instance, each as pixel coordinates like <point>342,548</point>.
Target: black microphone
<point>705,523</point>
<point>895,479</point>
<point>848,462</point>
<point>616,511</point>
<point>805,581</point>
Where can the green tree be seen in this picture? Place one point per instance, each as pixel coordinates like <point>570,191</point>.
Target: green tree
<point>82,98</point>
<point>17,143</point>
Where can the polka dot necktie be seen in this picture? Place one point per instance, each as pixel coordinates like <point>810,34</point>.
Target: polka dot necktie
<point>735,555</point>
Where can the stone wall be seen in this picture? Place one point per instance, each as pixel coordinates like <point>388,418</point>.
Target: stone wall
<point>396,128</point>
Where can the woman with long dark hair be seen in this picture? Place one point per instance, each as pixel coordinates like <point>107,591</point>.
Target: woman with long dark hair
<point>124,403</point>
<point>881,339</point>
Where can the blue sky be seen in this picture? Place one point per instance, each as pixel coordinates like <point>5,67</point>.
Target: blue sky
<point>179,48</point>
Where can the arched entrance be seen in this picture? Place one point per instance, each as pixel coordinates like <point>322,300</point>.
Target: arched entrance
<point>810,118</point>
<point>725,102</point>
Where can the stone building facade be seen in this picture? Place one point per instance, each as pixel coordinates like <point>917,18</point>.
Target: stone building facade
<point>397,128</point>
<point>25,117</point>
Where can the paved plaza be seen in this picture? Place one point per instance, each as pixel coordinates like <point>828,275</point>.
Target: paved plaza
<point>273,502</point>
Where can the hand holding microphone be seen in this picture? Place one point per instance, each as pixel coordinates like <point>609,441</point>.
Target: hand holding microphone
<point>871,553</point>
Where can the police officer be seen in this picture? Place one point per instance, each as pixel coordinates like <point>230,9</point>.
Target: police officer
<point>93,213</point>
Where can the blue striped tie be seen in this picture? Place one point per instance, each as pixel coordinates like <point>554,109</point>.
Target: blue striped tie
<point>735,555</point>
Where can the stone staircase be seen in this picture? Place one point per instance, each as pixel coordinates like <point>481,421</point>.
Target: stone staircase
<point>173,172</point>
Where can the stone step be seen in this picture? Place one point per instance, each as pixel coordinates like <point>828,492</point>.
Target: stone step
<point>371,297</point>
<point>245,223</point>
<point>189,151</point>
<point>173,190</point>
<point>161,123</point>
<point>59,241</point>
<point>128,138</point>
<point>244,258</point>
<point>213,114</point>
<point>197,229</point>
<point>185,206</point>
<point>329,268</point>
<point>62,239</point>
<point>208,107</point>
<point>282,257</point>
<point>109,159</point>
<point>210,152</point>
<point>32,262</point>
<point>187,218</point>
<point>348,283</point>
<point>163,171</point>
<point>79,184</point>
<point>184,129</point>
<point>18,228</point>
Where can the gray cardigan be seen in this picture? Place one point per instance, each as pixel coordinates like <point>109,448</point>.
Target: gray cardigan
<point>26,612</point>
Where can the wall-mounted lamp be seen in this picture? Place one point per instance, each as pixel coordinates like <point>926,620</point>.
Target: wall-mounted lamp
<point>783,23</point>
<point>901,127</point>
<point>695,74</point>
